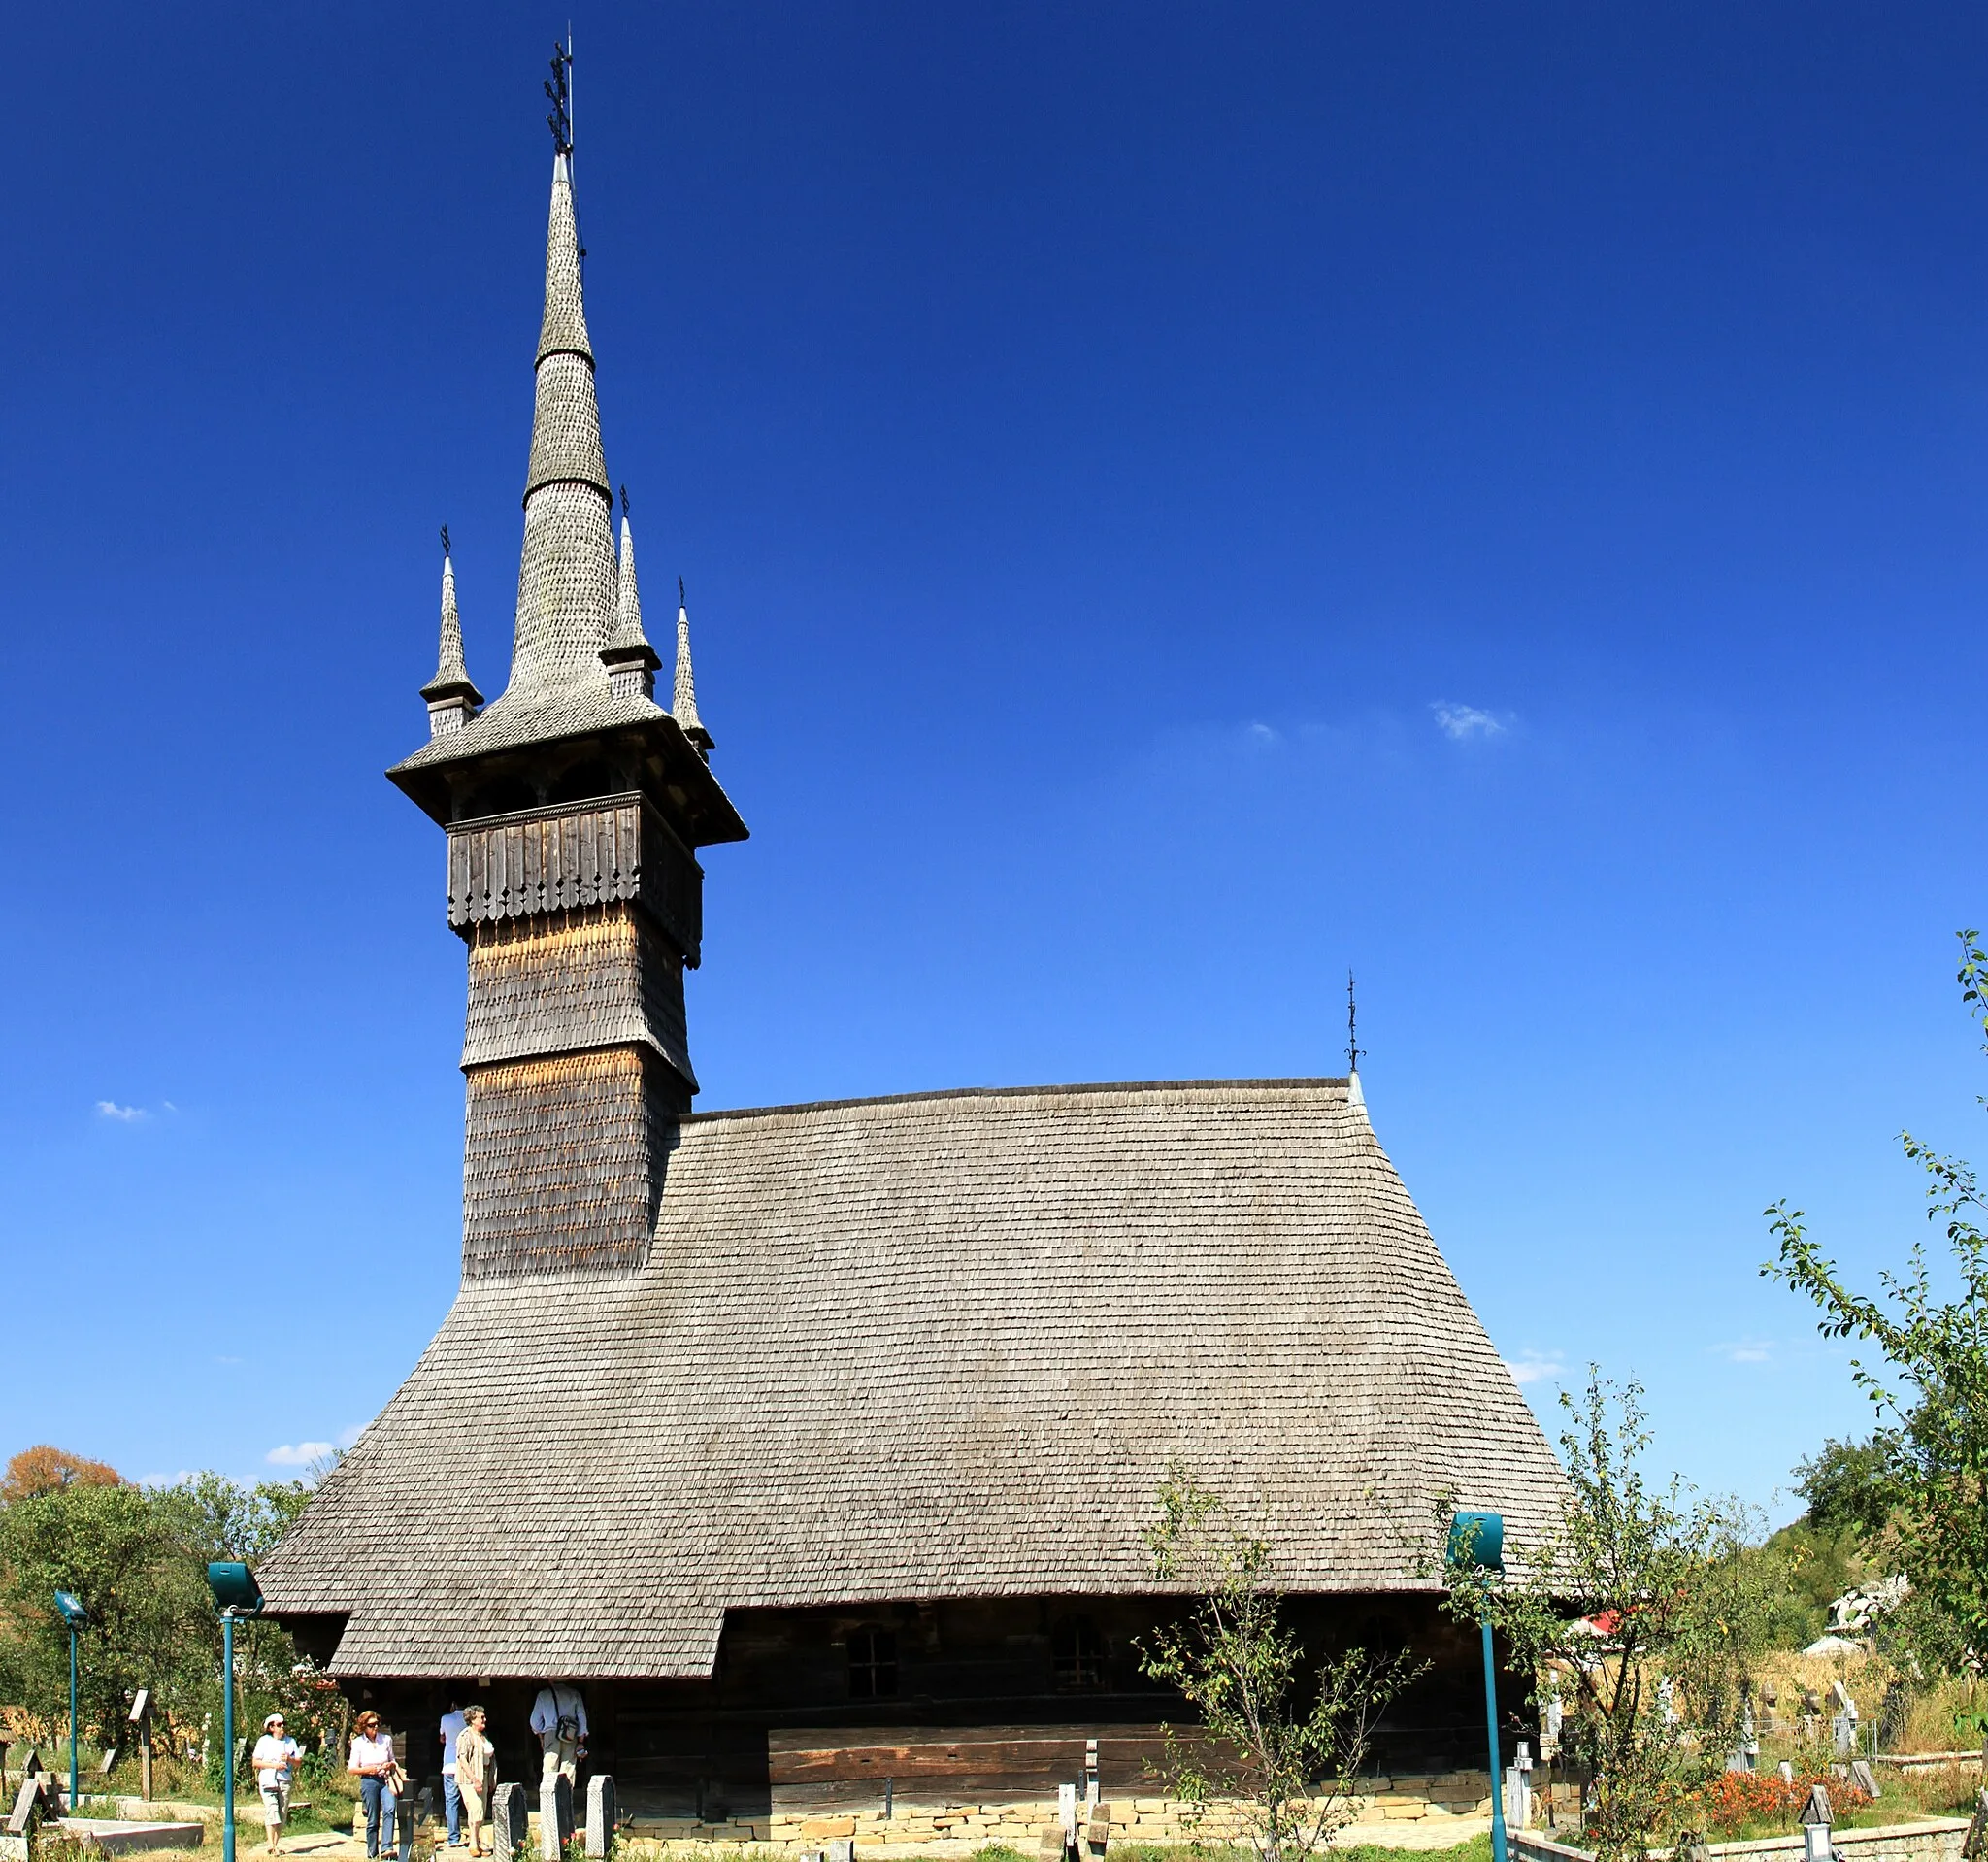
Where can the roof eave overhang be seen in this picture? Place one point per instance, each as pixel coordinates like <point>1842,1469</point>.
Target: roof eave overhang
<point>665,761</point>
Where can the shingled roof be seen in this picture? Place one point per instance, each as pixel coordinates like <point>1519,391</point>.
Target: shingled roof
<point>939,1345</point>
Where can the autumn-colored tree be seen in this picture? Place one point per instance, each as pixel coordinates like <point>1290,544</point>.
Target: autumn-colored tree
<point>44,1469</point>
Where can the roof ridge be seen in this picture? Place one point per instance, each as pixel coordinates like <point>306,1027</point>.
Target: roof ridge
<point>1070,1089</point>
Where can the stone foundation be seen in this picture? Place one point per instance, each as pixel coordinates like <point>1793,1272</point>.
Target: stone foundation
<point>961,1828</point>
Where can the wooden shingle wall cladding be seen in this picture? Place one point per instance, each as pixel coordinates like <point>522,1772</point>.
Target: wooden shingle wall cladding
<point>578,921</point>
<point>521,866</point>
<point>575,981</point>
<point>929,1348</point>
<point>562,1163</point>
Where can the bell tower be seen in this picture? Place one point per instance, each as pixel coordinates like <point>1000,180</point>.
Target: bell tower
<point>575,806</point>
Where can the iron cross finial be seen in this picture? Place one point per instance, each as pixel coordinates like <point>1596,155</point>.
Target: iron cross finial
<point>681,600</point>
<point>559,89</point>
<point>1353,1048</point>
<point>624,504</point>
<point>445,540</point>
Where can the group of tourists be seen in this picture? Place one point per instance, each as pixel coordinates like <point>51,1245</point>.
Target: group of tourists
<point>468,1768</point>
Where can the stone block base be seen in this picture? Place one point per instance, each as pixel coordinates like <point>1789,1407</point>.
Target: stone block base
<point>955,1829</point>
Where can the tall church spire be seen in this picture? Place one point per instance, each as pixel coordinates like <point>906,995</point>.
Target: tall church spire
<point>575,806</point>
<point>566,581</point>
<point>631,661</point>
<point>683,698</point>
<point>452,697</point>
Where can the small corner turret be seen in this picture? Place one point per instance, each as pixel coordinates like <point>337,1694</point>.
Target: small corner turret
<point>631,661</point>
<point>684,697</point>
<point>452,696</point>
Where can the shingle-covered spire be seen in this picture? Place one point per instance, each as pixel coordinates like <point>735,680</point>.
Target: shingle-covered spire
<point>566,581</point>
<point>631,661</point>
<point>683,699</point>
<point>452,697</point>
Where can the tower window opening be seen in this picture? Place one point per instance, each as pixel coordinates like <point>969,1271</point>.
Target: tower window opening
<point>872,1664</point>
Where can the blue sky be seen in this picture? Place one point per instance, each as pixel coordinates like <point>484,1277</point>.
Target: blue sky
<point>1177,501</point>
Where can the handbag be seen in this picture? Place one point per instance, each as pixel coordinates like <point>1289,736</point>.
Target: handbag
<point>395,1780</point>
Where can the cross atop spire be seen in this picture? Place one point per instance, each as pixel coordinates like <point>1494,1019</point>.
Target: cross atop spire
<point>683,698</point>
<point>559,93</point>
<point>452,698</point>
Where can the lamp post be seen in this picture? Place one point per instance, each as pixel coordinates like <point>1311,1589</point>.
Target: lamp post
<point>77,1620</point>
<point>235,1595</point>
<point>1478,1539</point>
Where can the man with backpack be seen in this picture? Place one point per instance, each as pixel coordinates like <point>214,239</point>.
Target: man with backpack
<point>559,1720</point>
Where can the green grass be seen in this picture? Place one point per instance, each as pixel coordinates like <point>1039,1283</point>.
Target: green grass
<point>1476,1849</point>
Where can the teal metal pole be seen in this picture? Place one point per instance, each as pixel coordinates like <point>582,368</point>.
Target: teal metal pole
<point>1498,1852</point>
<point>72,1720</point>
<point>228,1735</point>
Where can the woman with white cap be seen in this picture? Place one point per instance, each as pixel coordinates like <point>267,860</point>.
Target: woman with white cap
<point>275,1753</point>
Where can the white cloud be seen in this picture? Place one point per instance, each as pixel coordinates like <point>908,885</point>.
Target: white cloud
<point>1262,734</point>
<point>1535,1366</point>
<point>1467,723</point>
<point>299,1454</point>
<point>1748,1351</point>
<point>125,1114</point>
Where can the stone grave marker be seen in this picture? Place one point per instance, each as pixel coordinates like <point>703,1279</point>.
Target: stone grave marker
<point>602,1809</point>
<point>511,1821</point>
<point>1865,1779</point>
<point>556,1817</point>
<point>1816,1821</point>
<point>1892,1713</point>
<point>141,1723</point>
<point>27,1809</point>
<point>17,1841</point>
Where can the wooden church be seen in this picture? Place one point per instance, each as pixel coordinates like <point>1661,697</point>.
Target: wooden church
<point>818,1441</point>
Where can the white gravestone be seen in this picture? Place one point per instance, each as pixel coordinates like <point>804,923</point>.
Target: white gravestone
<point>601,1811</point>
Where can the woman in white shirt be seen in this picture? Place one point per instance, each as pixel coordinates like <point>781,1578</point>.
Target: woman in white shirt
<point>476,1775</point>
<point>371,1764</point>
<point>273,1756</point>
